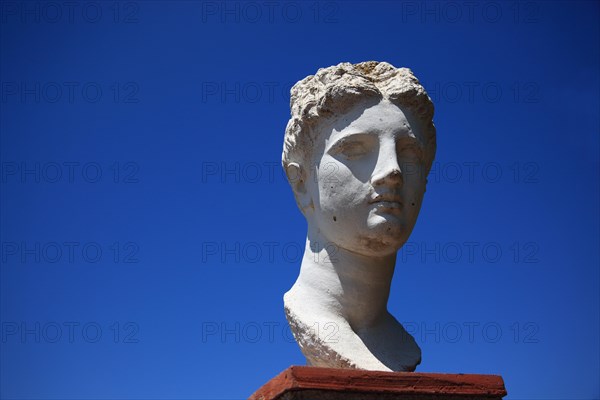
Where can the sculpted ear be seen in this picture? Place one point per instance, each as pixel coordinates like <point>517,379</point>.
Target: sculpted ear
<point>297,177</point>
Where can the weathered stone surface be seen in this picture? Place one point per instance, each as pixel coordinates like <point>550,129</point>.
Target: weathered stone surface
<point>357,150</point>
<point>310,383</point>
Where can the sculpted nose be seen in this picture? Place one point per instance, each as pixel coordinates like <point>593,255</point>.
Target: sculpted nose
<point>387,170</point>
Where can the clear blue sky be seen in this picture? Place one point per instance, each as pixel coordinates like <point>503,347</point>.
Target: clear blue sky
<point>148,234</point>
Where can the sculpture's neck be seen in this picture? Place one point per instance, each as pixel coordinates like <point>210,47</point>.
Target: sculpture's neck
<point>354,286</point>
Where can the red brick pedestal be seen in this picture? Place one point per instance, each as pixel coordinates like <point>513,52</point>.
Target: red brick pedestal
<point>310,383</point>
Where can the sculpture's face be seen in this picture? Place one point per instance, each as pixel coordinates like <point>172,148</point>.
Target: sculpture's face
<point>368,178</point>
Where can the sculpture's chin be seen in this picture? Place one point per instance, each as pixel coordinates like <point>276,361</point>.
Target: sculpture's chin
<point>377,247</point>
<point>382,238</point>
<point>369,246</point>
<point>375,242</point>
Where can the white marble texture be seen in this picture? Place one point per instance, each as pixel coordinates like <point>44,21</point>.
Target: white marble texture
<point>357,151</point>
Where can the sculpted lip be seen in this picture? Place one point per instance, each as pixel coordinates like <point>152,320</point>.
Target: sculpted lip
<point>387,200</point>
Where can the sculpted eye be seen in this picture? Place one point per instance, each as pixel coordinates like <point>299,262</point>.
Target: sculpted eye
<point>354,146</point>
<point>411,151</point>
<point>353,149</point>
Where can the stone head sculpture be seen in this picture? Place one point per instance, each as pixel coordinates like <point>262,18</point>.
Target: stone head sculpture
<point>358,147</point>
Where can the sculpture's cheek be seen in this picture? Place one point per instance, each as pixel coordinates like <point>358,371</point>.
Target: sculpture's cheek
<point>341,190</point>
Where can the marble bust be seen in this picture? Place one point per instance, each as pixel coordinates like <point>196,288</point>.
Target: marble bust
<point>357,150</point>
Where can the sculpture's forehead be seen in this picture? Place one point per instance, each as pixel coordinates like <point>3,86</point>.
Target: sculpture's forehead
<point>382,118</point>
